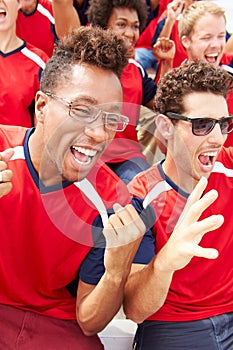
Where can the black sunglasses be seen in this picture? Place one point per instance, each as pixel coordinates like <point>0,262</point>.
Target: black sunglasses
<point>203,126</point>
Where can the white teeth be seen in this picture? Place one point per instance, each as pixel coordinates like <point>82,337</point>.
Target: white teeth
<point>87,152</point>
<point>210,154</point>
<point>2,11</point>
<point>212,55</point>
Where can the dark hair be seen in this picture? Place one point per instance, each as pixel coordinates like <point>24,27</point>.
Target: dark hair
<point>99,11</point>
<point>188,78</point>
<point>85,45</point>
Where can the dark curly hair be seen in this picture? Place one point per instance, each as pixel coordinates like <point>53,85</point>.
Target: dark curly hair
<point>100,11</point>
<point>94,46</point>
<point>188,78</point>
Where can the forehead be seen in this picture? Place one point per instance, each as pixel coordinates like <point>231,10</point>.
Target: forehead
<point>205,104</point>
<point>209,23</point>
<point>124,14</point>
<point>100,85</point>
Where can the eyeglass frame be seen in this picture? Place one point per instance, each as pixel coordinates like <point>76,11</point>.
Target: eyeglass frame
<point>177,116</point>
<point>69,104</point>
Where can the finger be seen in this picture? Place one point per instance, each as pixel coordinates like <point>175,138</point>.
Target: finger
<point>200,228</point>
<point>6,154</point>
<point>5,188</point>
<point>128,215</point>
<point>195,206</point>
<point>207,253</point>
<point>5,175</point>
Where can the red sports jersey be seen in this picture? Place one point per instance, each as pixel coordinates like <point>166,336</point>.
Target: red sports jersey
<point>203,288</point>
<point>47,232</point>
<point>137,89</point>
<point>20,72</point>
<point>37,28</point>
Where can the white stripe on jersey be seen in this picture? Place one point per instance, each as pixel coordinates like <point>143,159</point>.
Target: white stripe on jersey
<point>160,187</point>
<point>88,189</point>
<point>137,64</point>
<point>45,13</point>
<point>19,153</point>
<point>220,168</point>
<point>229,69</point>
<point>34,57</point>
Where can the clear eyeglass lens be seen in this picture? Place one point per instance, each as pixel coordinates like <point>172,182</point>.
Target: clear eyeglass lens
<point>90,113</point>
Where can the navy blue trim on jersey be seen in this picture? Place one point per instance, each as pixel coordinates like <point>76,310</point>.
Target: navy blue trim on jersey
<point>158,30</point>
<point>148,242</point>
<point>14,51</point>
<point>149,89</point>
<point>26,14</point>
<point>170,182</point>
<point>33,172</point>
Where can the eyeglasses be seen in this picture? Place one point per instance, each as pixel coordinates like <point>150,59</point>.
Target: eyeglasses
<point>86,113</point>
<point>203,126</point>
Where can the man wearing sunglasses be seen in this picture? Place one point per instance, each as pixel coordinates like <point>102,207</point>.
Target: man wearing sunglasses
<point>180,290</point>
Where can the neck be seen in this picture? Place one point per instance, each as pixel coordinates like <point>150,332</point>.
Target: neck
<point>29,8</point>
<point>177,175</point>
<point>44,166</point>
<point>9,42</point>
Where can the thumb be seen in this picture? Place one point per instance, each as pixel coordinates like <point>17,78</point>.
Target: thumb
<point>117,207</point>
<point>6,154</point>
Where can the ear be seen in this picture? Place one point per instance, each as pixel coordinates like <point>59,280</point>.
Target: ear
<point>185,41</point>
<point>41,101</point>
<point>163,132</point>
<point>164,126</point>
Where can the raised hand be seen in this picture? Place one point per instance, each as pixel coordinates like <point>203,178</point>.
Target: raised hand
<point>183,243</point>
<point>123,234</point>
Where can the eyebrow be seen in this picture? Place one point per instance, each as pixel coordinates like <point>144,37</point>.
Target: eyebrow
<point>126,19</point>
<point>84,98</point>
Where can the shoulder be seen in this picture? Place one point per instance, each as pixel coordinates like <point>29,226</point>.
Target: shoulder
<point>11,136</point>
<point>35,54</point>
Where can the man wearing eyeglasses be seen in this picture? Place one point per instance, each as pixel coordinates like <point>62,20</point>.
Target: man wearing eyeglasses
<point>58,287</point>
<point>180,290</point>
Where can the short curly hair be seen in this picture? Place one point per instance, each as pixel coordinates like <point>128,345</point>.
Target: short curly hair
<point>85,45</point>
<point>188,78</point>
<point>100,11</point>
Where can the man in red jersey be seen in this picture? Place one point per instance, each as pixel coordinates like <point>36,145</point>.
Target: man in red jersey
<point>202,31</point>
<point>21,65</point>
<point>58,287</point>
<point>180,300</point>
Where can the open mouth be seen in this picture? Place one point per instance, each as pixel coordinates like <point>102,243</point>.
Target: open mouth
<point>207,159</point>
<point>2,13</point>
<point>83,156</point>
<point>211,57</point>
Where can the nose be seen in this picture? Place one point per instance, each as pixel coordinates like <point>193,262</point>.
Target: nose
<point>129,32</point>
<point>97,131</point>
<point>216,135</point>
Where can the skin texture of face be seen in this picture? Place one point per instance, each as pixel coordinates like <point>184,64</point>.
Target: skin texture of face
<point>190,157</point>
<point>8,14</point>
<point>125,22</point>
<point>207,41</point>
<point>52,144</point>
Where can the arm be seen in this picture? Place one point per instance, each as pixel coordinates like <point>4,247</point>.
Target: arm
<point>66,17</point>
<point>229,45</point>
<point>174,9</point>
<point>5,174</point>
<point>147,286</point>
<point>97,305</point>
